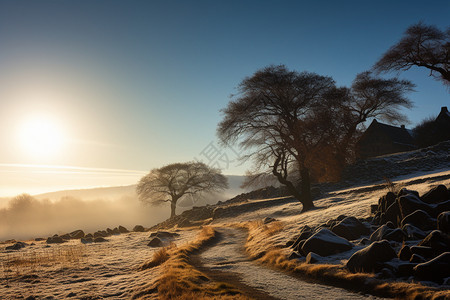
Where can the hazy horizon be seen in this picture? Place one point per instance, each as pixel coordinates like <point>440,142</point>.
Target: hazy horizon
<point>40,179</point>
<point>27,217</point>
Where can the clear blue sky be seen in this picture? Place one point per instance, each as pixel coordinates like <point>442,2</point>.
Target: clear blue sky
<point>134,85</point>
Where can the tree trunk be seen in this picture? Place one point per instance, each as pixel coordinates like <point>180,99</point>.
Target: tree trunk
<point>305,196</point>
<point>173,206</point>
<point>297,195</point>
<point>306,190</point>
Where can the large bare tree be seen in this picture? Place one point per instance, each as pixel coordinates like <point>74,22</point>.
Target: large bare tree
<point>174,181</point>
<point>292,123</point>
<point>422,46</point>
<point>268,118</point>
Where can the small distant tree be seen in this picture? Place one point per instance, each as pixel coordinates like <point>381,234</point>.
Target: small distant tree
<point>175,181</point>
<point>421,46</point>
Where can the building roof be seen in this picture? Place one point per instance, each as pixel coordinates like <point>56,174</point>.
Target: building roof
<point>444,115</point>
<point>398,135</point>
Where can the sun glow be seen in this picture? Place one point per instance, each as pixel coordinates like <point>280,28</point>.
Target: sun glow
<point>41,137</point>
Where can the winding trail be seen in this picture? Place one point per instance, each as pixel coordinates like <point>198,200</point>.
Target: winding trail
<point>226,261</point>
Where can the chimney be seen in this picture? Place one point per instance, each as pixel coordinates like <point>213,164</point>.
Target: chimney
<point>444,109</point>
<point>402,127</point>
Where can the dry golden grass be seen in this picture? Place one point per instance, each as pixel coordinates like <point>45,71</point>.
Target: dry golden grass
<point>68,254</point>
<point>159,257</point>
<point>22,263</point>
<point>261,247</point>
<point>393,187</point>
<point>273,228</point>
<point>179,279</point>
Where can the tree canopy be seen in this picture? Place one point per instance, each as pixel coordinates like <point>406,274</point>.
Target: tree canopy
<point>174,181</point>
<point>422,46</point>
<point>268,118</point>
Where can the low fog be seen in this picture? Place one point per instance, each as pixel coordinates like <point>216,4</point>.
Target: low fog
<point>27,217</point>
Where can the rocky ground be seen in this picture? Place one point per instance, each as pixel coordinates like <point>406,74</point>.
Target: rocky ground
<point>407,239</point>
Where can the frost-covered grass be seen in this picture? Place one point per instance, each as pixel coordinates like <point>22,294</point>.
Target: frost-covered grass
<point>59,271</point>
<point>30,262</point>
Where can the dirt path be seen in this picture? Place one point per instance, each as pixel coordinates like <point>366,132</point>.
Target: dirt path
<point>226,261</point>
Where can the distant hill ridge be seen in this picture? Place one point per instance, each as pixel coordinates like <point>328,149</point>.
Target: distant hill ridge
<point>115,192</point>
<point>91,193</point>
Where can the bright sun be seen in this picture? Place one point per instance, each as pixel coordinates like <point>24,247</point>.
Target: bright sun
<point>41,137</point>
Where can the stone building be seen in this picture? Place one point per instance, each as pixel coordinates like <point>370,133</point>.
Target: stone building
<point>380,139</point>
<point>443,119</point>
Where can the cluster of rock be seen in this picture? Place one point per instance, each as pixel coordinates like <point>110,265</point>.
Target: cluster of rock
<point>16,246</point>
<point>394,165</point>
<point>96,237</point>
<point>408,238</point>
<point>328,239</point>
<point>160,238</point>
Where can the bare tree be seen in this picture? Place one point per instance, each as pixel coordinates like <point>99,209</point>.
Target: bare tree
<point>348,109</point>
<point>422,46</point>
<point>268,118</point>
<point>295,124</point>
<point>174,181</point>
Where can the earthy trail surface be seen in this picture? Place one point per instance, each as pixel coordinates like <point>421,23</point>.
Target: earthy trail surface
<point>226,261</point>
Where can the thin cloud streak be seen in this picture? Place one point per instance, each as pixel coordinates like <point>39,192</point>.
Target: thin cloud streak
<point>51,169</point>
<point>93,143</point>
